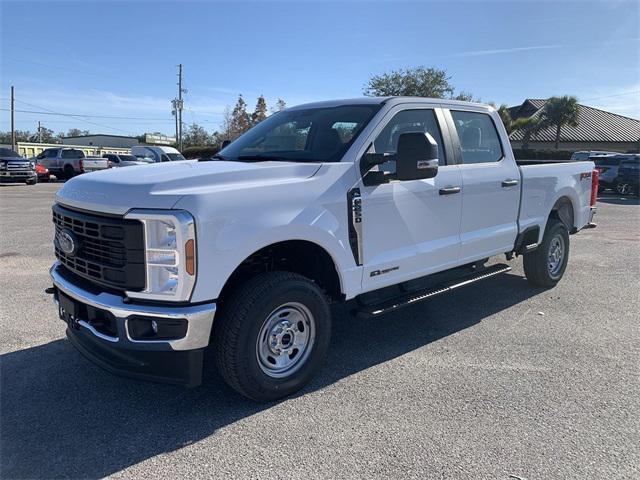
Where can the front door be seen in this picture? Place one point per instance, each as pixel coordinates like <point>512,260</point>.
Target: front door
<point>409,228</point>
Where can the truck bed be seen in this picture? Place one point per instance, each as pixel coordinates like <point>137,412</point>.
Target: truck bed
<point>545,182</point>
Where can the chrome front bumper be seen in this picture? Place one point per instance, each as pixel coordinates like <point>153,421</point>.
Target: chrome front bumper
<point>199,317</point>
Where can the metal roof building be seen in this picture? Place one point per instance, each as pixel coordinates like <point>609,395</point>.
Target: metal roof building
<point>596,130</point>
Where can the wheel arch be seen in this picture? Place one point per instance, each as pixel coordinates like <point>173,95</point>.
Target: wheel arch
<point>564,210</point>
<point>301,256</point>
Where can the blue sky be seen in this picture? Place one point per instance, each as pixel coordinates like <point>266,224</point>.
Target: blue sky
<point>118,59</point>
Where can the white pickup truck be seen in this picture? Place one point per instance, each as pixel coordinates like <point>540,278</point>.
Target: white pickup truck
<point>381,202</point>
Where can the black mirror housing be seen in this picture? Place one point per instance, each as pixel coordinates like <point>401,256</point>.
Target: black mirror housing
<point>416,157</point>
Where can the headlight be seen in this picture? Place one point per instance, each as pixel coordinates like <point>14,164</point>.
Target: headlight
<point>170,254</point>
<point>32,165</point>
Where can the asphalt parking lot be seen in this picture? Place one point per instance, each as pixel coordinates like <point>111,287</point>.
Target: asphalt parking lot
<point>500,380</point>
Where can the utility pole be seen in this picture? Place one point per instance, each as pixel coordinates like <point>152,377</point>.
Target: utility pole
<point>174,112</point>
<point>180,105</point>
<point>39,132</point>
<point>13,127</point>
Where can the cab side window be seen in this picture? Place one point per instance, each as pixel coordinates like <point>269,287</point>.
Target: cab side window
<point>478,136</point>
<point>408,121</point>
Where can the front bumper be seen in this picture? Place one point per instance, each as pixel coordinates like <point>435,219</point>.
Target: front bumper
<point>13,176</point>
<point>177,360</point>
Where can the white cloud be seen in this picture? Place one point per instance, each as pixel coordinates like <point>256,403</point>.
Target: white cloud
<point>499,51</point>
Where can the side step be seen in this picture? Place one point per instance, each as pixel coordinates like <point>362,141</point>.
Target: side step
<point>415,297</point>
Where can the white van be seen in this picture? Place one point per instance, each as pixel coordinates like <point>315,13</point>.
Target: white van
<point>157,154</point>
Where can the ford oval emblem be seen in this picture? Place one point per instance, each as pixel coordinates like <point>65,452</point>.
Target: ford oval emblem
<point>67,242</point>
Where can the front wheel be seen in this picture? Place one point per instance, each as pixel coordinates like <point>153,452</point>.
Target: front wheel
<point>272,335</point>
<point>545,266</point>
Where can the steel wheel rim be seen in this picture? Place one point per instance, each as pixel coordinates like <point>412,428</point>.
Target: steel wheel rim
<point>555,258</point>
<point>285,340</point>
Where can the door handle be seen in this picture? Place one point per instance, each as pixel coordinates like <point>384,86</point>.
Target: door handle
<point>449,190</point>
<point>509,183</point>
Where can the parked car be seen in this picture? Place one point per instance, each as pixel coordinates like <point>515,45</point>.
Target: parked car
<point>157,154</point>
<point>628,180</point>
<point>43,173</point>
<point>63,162</point>
<point>607,166</point>
<point>14,168</point>
<point>588,154</point>
<point>93,163</point>
<point>125,160</point>
<point>382,202</point>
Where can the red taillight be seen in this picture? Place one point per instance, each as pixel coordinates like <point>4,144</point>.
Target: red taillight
<point>81,164</point>
<point>595,176</point>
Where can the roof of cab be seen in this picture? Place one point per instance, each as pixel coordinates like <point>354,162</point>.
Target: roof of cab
<point>381,100</point>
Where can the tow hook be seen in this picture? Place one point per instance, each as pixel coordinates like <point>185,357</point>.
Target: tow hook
<point>50,290</point>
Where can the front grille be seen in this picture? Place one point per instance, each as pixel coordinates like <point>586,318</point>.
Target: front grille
<point>18,166</point>
<point>110,250</point>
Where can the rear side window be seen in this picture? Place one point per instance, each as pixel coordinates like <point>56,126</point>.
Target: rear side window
<point>478,136</point>
<point>72,154</point>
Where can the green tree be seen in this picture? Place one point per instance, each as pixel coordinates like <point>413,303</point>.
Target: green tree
<point>414,82</point>
<point>558,112</point>
<point>196,136</point>
<point>260,112</point>
<point>76,132</point>
<point>240,121</point>
<point>530,127</point>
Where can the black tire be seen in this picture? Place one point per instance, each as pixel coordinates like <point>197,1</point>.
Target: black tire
<point>32,182</point>
<point>248,311</point>
<point>536,263</point>
<point>69,172</point>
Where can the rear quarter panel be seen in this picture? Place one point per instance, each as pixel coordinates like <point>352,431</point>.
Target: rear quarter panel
<point>544,184</point>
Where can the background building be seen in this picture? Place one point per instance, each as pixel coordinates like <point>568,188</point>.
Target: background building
<point>101,140</point>
<point>596,130</point>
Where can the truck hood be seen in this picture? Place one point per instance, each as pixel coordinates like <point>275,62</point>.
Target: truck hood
<point>162,185</point>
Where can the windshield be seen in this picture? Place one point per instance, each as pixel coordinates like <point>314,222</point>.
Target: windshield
<point>7,152</point>
<point>175,156</point>
<point>309,135</point>
<point>128,158</point>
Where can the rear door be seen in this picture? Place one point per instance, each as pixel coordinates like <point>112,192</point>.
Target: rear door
<point>490,185</point>
<point>409,228</point>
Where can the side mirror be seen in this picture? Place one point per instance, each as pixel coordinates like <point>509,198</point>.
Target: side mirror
<point>225,143</point>
<point>416,156</point>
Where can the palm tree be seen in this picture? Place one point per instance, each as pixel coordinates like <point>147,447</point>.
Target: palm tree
<point>560,111</point>
<point>530,126</point>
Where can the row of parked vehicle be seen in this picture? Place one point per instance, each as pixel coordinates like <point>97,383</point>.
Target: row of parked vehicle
<point>618,172</point>
<point>67,162</point>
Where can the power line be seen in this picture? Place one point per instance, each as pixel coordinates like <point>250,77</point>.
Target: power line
<point>633,92</point>
<point>91,116</point>
<point>77,117</point>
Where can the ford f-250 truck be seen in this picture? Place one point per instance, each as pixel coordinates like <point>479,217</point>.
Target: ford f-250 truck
<point>381,202</point>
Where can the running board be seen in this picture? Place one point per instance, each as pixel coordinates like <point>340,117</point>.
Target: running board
<point>416,297</point>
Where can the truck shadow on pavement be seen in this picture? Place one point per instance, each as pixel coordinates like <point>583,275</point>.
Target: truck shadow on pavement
<point>64,417</point>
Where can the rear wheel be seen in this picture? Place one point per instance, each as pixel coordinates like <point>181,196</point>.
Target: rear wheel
<point>69,172</point>
<point>545,266</point>
<point>272,335</point>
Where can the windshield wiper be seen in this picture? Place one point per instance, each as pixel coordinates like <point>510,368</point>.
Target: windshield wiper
<point>217,156</point>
